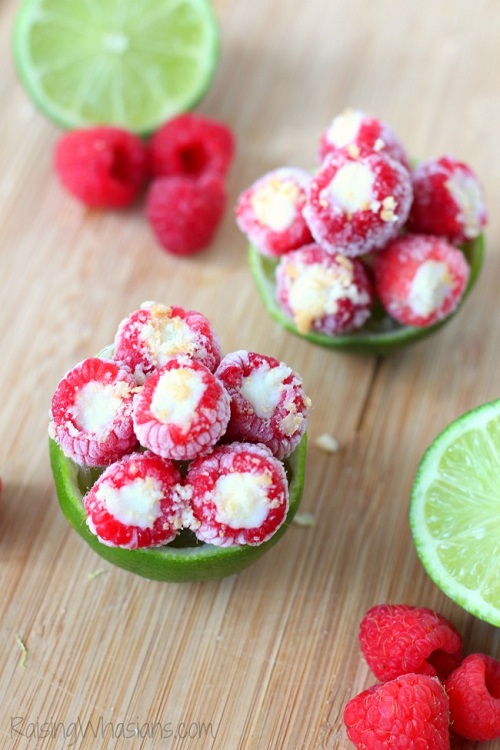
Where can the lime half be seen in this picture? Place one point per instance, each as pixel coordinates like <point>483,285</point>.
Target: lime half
<point>110,62</point>
<point>380,335</point>
<point>455,511</point>
<point>185,559</point>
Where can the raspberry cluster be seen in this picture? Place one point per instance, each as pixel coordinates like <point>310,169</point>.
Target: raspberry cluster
<point>365,226</point>
<point>428,690</point>
<point>186,438</point>
<point>184,164</point>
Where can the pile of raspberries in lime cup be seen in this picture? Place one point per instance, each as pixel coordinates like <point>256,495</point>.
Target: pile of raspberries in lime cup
<point>366,227</point>
<point>188,438</point>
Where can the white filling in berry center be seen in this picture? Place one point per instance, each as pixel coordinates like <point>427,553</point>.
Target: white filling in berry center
<point>430,286</point>
<point>97,404</point>
<point>344,128</point>
<point>241,500</point>
<point>466,193</point>
<point>165,337</point>
<point>275,204</point>
<point>263,388</point>
<point>135,504</point>
<point>351,189</point>
<point>177,396</point>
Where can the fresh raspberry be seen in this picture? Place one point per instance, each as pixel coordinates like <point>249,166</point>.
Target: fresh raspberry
<point>104,167</point>
<point>134,504</point>
<point>354,127</point>
<point>420,279</point>
<point>474,693</point>
<point>150,336</point>
<point>269,212</point>
<point>191,145</point>
<point>268,402</point>
<point>447,200</point>
<point>409,712</point>
<point>91,413</point>
<point>182,410</point>
<point>323,291</point>
<point>238,495</point>
<point>357,201</point>
<point>184,214</point>
<point>396,639</point>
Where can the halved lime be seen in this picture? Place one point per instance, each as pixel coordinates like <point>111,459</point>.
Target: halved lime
<point>185,559</point>
<point>110,62</point>
<point>455,511</point>
<point>381,334</point>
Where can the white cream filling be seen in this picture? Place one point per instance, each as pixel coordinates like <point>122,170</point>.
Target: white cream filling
<point>241,500</point>
<point>165,336</point>
<point>263,388</point>
<point>351,189</point>
<point>430,286</point>
<point>466,193</point>
<point>97,404</point>
<point>275,204</point>
<point>176,397</point>
<point>135,504</point>
<point>344,129</point>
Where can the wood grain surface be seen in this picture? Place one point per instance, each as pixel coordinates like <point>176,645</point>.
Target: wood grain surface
<point>266,659</point>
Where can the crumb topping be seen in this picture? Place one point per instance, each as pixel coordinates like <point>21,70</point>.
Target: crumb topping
<point>165,336</point>
<point>242,499</point>
<point>177,395</point>
<point>275,203</point>
<point>430,287</point>
<point>351,189</point>
<point>136,503</point>
<point>263,388</point>
<point>388,212</point>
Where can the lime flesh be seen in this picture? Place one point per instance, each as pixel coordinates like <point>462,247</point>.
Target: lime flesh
<point>455,511</point>
<point>380,335</point>
<point>109,62</point>
<point>183,559</point>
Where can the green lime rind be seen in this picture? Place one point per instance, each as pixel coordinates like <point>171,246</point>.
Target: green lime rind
<point>169,563</point>
<point>454,512</point>
<point>381,334</point>
<point>131,65</point>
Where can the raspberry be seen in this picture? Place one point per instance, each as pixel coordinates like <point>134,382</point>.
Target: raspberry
<point>323,291</point>
<point>238,495</point>
<point>150,336</point>
<point>182,410</point>
<point>184,214</point>
<point>269,212</point>
<point>448,200</point>
<point>409,712</point>
<point>133,503</point>
<point>474,693</point>
<point>103,167</point>
<point>192,146</point>
<point>396,639</point>
<point>357,201</point>
<point>420,279</point>
<point>268,403</point>
<point>91,413</point>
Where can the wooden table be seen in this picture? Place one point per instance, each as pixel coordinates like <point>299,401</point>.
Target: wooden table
<point>266,659</point>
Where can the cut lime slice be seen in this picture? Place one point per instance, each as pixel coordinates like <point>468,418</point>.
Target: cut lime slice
<point>185,559</point>
<point>455,511</point>
<point>109,62</point>
<point>380,335</point>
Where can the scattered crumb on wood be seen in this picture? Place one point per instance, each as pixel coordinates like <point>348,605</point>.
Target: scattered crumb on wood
<point>96,573</point>
<point>327,443</point>
<point>24,651</point>
<point>304,519</point>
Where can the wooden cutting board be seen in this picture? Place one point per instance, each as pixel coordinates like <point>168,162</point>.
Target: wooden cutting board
<point>95,657</point>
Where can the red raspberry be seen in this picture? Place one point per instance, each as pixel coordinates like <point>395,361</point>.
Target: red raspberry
<point>409,712</point>
<point>420,279</point>
<point>474,693</point>
<point>447,200</point>
<point>238,495</point>
<point>182,410</point>
<point>191,145</point>
<point>268,403</point>
<point>184,214</point>
<point>323,291</point>
<point>91,413</point>
<point>134,504</point>
<point>104,167</point>
<point>396,639</point>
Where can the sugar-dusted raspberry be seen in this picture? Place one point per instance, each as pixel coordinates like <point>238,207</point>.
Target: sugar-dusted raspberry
<point>397,638</point>
<point>192,145</point>
<point>354,127</point>
<point>324,291</point>
<point>420,279</point>
<point>182,410</point>
<point>474,693</point>
<point>185,214</point>
<point>238,495</point>
<point>134,502</point>
<point>268,402</point>
<point>91,412</point>
<point>150,336</point>
<point>357,201</point>
<point>269,212</point>
<point>448,200</point>
<point>104,167</point>
<point>409,712</point>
